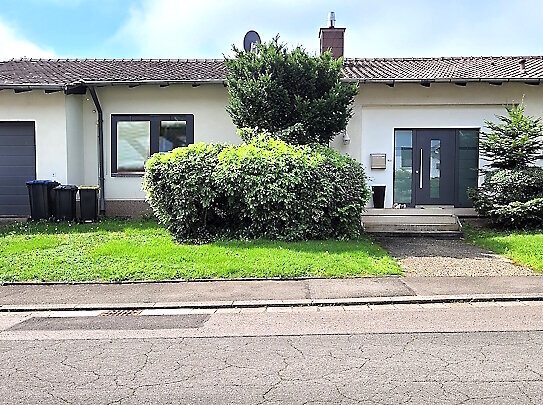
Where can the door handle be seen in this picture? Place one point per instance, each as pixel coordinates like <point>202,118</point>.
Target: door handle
<point>420,169</point>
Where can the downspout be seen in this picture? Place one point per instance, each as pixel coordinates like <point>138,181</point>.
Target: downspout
<point>100,130</point>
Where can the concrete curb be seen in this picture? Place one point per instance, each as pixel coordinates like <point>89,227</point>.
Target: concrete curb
<point>192,280</point>
<point>434,299</point>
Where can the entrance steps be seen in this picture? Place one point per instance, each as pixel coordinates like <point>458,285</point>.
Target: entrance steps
<point>435,222</point>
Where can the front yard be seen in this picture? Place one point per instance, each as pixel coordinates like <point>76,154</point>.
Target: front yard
<point>523,247</point>
<point>142,250</point>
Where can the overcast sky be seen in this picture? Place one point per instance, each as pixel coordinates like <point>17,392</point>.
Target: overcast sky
<point>208,28</point>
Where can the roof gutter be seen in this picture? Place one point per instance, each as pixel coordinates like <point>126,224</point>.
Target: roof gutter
<point>32,86</point>
<point>528,80</point>
<point>156,82</point>
<point>100,131</point>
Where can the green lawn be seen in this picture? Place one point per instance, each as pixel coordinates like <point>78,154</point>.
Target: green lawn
<point>523,247</point>
<point>142,250</point>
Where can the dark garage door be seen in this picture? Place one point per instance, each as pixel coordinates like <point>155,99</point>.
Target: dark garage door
<point>17,165</point>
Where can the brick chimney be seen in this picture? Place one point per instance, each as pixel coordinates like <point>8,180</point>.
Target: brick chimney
<point>332,38</point>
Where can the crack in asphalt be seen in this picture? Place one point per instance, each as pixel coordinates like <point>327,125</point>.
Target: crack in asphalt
<point>367,369</point>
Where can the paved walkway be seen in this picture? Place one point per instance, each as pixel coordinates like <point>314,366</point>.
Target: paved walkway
<point>446,257</point>
<point>264,293</point>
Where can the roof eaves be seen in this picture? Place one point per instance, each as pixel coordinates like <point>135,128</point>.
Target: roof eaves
<point>445,80</point>
<point>203,60</point>
<point>150,82</point>
<point>32,86</point>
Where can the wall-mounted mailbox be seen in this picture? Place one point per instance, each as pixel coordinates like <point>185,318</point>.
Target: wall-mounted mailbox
<point>378,160</point>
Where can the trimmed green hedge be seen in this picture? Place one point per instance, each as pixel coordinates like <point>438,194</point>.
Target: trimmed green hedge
<point>263,189</point>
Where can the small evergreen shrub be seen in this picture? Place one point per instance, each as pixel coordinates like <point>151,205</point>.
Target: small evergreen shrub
<point>512,193</point>
<point>263,189</point>
<point>514,142</point>
<point>511,197</point>
<point>519,214</point>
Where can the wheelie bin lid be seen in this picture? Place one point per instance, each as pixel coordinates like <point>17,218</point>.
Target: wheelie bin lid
<point>30,182</point>
<point>89,187</point>
<point>68,187</point>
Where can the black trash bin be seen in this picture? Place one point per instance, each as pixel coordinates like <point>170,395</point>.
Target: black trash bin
<point>65,209</point>
<point>378,196</point>
<point>88,203</point>
<point>42,198</point>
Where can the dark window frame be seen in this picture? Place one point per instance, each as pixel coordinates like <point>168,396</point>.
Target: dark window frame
<point>154,127</point>
<point>411,203</point>
<point>457,203</point>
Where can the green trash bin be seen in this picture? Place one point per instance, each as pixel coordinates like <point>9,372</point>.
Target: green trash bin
<point>65,202</point>
<point>88,203</point>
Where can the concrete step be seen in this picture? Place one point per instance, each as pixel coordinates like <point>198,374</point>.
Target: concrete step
<point>429,234</point>
<point>416,222</point>
<point>429,210</point>
<point>411,227</point>
<point>408,211</point>
<point>409,219</point>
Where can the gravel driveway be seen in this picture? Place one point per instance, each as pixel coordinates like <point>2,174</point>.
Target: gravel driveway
<point>447,257</point>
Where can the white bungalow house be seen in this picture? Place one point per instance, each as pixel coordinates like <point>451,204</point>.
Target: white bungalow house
<point>88,121</point>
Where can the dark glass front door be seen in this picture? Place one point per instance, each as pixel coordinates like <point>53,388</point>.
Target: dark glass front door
<point>434,166</point>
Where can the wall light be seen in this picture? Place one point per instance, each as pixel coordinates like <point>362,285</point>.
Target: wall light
<point>346,138</point>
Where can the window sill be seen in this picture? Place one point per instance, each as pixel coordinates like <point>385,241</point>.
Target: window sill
<point>128,174</point>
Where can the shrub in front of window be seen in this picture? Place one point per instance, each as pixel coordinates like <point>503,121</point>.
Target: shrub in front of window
<point>180,189</point>
<point>263,189</point>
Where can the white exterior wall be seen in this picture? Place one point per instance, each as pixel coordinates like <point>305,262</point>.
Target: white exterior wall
<point>74,140</point>
<point>66,131</point>
<point>89,122</point>
<point>206,102</point>
<point>379,109</point>
<point>48,111</point>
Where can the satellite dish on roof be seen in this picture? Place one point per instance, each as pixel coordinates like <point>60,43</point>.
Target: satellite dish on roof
<point>250,40</point>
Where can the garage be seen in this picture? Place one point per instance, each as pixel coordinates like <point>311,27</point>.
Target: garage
<point>17,166</point>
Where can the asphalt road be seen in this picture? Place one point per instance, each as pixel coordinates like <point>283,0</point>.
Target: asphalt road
<point>464,354</point>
